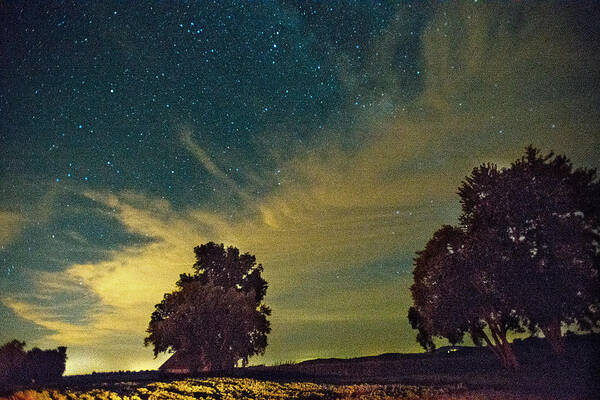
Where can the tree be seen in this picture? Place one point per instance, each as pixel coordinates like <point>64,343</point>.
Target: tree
<point>455,292</point>
<point>216,313</point>
<point>45,365</point>
<point>18,366</point>
<point>12,360</point>
<point>526,254</point>
<point>548,213</point>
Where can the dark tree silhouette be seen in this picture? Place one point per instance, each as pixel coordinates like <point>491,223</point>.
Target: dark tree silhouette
<point>526,255</point>
<point>45,365</point>
<point>547,216</point>
<point>455,292</point>
<point>42,366</point>
<point>216,313</point>
<point>12,361</point>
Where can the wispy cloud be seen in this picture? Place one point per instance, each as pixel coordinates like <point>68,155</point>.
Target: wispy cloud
<point>319,223</point>
<point>186,135</point>
<point>200,154</point>
<point>11,224</point>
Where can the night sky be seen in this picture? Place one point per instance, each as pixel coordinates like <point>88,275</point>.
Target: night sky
<point>327,138</point>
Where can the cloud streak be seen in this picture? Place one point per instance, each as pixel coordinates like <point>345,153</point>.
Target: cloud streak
<point>11,224</point>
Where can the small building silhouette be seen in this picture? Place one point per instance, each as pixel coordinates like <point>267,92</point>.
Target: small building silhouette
<point>183,362</point>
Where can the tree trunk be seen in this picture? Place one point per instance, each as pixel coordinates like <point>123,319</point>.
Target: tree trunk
<point>511,357</point>
<point>501,346</point>
<point>499,352</point>
<point>512,362</point>
<point>554,336</point>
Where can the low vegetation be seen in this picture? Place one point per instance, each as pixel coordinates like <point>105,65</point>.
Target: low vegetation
<point>447,373</point>
<point>231,388</point>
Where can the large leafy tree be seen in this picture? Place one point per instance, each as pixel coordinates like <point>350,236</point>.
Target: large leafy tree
<point>526,255</point>
<point>456,292</point>
<point>548,212</point>
<point>216,313</point>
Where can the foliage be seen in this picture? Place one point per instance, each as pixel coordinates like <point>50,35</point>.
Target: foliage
<point>216,313</point>
<point>228,388</point>
<point>46,365</point>
<point>526,255</point>
<point>547,217</point>
<point>12,360</point>
<point>455,292</point>
<point>19,366</point>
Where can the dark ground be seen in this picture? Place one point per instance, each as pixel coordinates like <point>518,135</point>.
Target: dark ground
<point>576,374</point>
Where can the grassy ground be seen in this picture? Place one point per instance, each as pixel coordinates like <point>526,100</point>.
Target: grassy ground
<point>468,374</point>
<point>240,388</point>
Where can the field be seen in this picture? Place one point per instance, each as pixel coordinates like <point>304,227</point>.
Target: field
<point>465,374</point>
<point>243,388</point>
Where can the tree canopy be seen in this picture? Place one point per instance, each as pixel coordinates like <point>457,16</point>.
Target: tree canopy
<point>455,292</point>
<point>216,313</point>
<point>525,255</point>
<point>18,366</point>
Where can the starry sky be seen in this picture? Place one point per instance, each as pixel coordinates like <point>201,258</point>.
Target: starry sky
<point>328,138</point>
